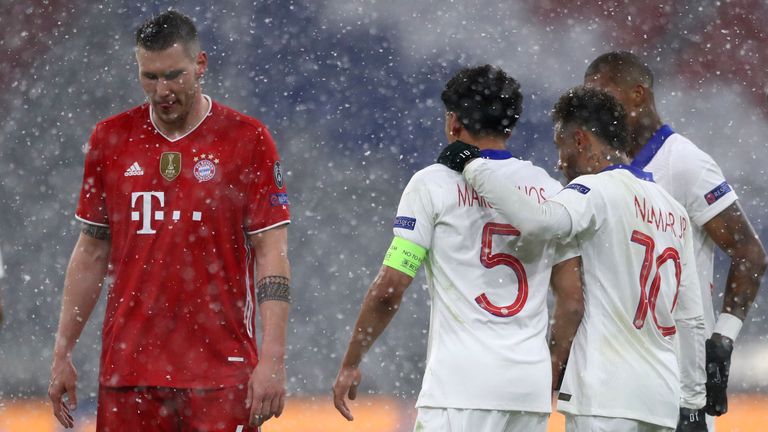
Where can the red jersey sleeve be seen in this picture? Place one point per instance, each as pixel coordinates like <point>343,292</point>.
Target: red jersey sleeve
<point>267,199</point>
<point>92,208</point>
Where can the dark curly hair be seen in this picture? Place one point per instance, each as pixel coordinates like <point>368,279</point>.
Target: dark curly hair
<point>162,31</point>
<point>486,100</point>
<point>596,111</point>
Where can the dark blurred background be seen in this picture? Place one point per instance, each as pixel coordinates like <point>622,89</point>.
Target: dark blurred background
<point>350,90</point>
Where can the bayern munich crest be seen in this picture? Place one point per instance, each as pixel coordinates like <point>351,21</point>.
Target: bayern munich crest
<point>205,167</point>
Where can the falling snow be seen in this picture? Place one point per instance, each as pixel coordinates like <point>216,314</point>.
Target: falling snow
<point>350,91</point>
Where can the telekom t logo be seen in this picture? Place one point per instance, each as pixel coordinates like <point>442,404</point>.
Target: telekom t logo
<point>146,215</point>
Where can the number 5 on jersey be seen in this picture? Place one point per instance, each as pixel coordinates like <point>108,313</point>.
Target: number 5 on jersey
<point>491,260</point>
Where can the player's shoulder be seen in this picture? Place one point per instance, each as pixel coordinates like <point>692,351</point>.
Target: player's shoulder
<point>432,180</point>
<point>585,183</point>
<point>112,130</point>
<point>124,118</point>
<point>518,165</point>
<point>687,163</point>
<point>605,183</point>
<point>664,194</point>
<point>520,170</point>
<point>684,154</point>
<point>434,174</point>
<point>532,173</point>
<point>234,118</point>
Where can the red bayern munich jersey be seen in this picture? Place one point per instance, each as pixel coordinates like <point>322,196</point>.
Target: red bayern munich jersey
<point>180,308</point>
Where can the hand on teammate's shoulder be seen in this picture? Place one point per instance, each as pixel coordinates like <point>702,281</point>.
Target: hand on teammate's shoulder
<point>456,155</point>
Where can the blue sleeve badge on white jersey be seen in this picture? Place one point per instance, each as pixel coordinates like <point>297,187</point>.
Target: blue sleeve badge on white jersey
<point>405,222</point>
<point>580,188</point>
<point>718,192</point>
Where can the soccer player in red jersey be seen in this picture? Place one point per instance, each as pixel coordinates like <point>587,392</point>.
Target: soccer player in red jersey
<point>180,197</point>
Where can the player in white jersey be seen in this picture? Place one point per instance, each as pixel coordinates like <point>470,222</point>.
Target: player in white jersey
<point>640,284</point>
<point>488,367</point>
<point>696,181</point>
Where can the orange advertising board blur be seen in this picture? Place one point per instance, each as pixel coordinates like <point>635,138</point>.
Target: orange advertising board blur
<point>748,413</point>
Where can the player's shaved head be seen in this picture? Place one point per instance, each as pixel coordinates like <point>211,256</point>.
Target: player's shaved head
<point>166,30</point>
<point>596,111</point>
<point>622,68</point>
<point>486,100</point>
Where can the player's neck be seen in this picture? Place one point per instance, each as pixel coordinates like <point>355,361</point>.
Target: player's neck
<point>175,130</point>
<point>607,157</point>
<point>646,126</point>
<point>484,143</point>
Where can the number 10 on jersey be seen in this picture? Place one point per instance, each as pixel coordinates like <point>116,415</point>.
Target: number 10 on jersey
<point>648,301</point>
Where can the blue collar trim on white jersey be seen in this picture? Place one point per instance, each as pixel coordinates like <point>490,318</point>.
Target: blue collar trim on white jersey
<point>652,147</point>
<point>495,154</point>
<point>637,172</point>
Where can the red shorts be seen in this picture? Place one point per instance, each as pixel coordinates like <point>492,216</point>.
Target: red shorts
<point>165,409</point>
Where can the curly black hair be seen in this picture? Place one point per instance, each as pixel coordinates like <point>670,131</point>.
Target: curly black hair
<point>596,111</point>
<point>486,100</point>
<point>161,31</point>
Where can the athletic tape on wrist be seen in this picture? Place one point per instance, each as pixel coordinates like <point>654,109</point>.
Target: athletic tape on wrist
<point>728,325</point>
<point>405,256</point>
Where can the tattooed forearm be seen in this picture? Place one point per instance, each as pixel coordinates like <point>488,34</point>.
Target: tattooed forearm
<point>96,231</point>
<point>273,288</point>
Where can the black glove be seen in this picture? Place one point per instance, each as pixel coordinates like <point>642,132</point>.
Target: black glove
<point>457,154</point>
<point>691,420</point>
<point>719,350</point>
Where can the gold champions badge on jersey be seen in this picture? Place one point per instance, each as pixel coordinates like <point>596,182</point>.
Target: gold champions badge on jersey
<point>170,165</point>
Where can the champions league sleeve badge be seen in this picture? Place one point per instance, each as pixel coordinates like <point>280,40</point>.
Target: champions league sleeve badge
<point>205,167</point>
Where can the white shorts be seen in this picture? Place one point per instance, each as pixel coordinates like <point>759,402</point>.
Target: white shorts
<point>474,420</point>
<point>582,423</point>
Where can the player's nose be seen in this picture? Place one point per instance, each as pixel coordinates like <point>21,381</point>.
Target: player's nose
<point>163,87</point>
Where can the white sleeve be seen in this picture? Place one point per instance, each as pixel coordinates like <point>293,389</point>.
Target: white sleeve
<point>549,219</point>
<point>691,331</point>
<point>2,267</point>
<point>585,202</point>
<point>703,188</point>
<point>566,250</point>
<point>689,302</point>
<point>691,359</point>
<point>416,214</point>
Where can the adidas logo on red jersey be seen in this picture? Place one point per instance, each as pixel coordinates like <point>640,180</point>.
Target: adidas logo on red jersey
<point>134,170</point>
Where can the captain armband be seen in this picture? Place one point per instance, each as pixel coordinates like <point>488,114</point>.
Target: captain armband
<point>405,256</point>
<point>273,288</point>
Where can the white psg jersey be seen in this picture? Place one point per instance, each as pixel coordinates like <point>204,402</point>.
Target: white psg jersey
<point>695,180</point>
<point>488,284</point>
<point>640,276</point>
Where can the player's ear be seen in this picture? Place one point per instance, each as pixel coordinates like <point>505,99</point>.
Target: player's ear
<point>454,125</point>
<point>580,139</point>
<point>201,64</point>
<point>638,95</point>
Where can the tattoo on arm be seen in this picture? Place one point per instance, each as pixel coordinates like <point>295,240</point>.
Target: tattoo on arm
<point>96,231</point>
<point>273,288</point>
